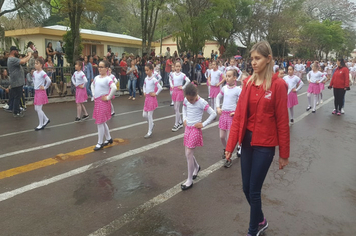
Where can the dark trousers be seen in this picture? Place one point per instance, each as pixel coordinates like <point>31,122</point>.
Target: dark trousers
<point>123,82</point>
<point>16,93</point>
<point>339,95</point>
<point>255,162</point>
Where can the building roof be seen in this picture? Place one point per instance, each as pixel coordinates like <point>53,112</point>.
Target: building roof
<point>94,32</point>
<point>92,35</point>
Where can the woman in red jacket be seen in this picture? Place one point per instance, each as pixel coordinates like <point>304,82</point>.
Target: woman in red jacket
<point>260,124</point>
<point>340,83</point>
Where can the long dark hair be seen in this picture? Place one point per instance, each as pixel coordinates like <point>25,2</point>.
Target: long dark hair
<point>49,44</point>
<point>342,62</point>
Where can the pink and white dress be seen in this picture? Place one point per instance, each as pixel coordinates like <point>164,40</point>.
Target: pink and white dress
<point>149,86</point>
<point>40,78</point>
<point>322,84</point>
<point>175,81</point>
<point>293,82</point>
<point>314,78</point>
<point>215,78</point>
<point>101,86</point>
<point>298,69</point>
<point>79,78</point>
<point>193,114</point>
<point>231,95</point>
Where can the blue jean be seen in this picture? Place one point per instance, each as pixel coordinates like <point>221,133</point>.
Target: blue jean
<point>132,87</point>
<point>166,79</point>
<point>255,162</point>
<point>88,86</point>
<point>29,89</point>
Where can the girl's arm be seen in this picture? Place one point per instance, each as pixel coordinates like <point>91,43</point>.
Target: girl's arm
<point>159,87</point>
<point>218,99</point>
<point>112,91</point>
<point>223,80</point>
<point>187,81</point>
<point>171,81</point>
<point>144,87</point>
<point>212,115</point>
<point>48,81</point>
<point>300,85</point>
<point>92,87</point>
<point>73,81</point>
<point>184,111</point>
<point>85,79</point>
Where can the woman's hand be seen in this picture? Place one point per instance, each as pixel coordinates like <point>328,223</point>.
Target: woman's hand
<point>232,113</point>
<point>81,86</point>
<point>198,125</point>
<point>227,155</point>
<point>153,94</point>
<point>294,90</point>
<point>185,123</point>
<point>7,90</point>
<point>283,162</point>
<point>104,98</point>
<point>180,87</point>
<point>42,88</point>
<point>218,110</point>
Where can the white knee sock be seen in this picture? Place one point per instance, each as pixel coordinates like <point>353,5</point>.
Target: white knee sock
<point>79,110</point>
<point>208,91</point>
<point>291,110</point>
<point>223,137</point>
<point>38,109</point>
<point>112,109</point>
<point>314,102</point>
<point>212,104</point>
<point>101,133</point>
<point>189,153</point>
<point>106,132</point>
<point>150,121</point>
<point>309,99</point>
<point>178,118</point>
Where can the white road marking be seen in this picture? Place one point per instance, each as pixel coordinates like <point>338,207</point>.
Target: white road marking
<point>13,193</point>
<point>71,123</point>
<point>302,94</point>
<point>77,138</point>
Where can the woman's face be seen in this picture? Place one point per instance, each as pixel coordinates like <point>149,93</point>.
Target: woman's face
<point>4,73</point>
<point>85,59</point>
<point>338,63</point>
<point>91,59</point>
<point>259,62</point>
<point>50,45</point>
<point>49,59</point>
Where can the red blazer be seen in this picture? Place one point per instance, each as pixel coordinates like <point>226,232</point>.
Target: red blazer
<point>271,122</point>
<point>340,78</point>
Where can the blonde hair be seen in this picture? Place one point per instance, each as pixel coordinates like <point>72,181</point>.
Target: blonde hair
<point>265,50</point>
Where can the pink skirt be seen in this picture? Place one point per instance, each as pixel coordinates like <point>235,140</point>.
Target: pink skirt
<point>150,103</point>
<point>40,97</point>
<point>314,88</point>
<point>214,91</point>
<point>322,86</point>
<point>329,71</point>
<point>193,137</point>
<point>299,74</point>
<point>292,99</point>
<point>102,111</point>
<point>225,120</point>
<point>81,95</point>
<point>177,95</point>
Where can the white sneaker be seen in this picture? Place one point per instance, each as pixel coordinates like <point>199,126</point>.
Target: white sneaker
<point>317,103</point>
<point>148,135</point>
<point>175,128</point>
<point>342,111</point>
<point>321,101</point>
<point>6,106</point>
<point>92,98</point>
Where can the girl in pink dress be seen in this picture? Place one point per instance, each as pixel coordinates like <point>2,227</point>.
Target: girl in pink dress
<point>41,82</point>
<point>103,89</point>
<point>79,80</point>
<point>151,88</point>
<point>193,109</point>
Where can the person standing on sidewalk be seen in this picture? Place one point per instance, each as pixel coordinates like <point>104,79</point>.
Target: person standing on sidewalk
<point>260,124</point>
<point>17,78</point>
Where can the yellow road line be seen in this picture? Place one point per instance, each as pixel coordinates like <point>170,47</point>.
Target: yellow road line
<point>78,154</point>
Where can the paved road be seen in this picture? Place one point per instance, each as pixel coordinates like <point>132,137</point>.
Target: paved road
<point>52,183</point>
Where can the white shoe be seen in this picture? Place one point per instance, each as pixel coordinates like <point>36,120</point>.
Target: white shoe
<point>175,128</point>
<point>6,106</point>
<point>342,111</point>
<point>317,103</point>
<point>92,98</point>
<point>321,101</point>
<point>149,134</point>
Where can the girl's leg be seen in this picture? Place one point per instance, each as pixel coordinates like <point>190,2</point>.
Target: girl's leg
<point>212,104</point>
<point>321,97</point>
<point>101,133</point>
<point>112,109</point>
<point>106,132</point>
<point>291,111</point>
<point>189,153</point>
<point>178,118</point>
<point>134,88</point>
<point>150,121</point>
<point>130,87</point>
<point>315,100</point>
<point>309,99</point>
<point>79,110</point>
<point>208,91</point>
<point>84,110</point>
<point>223,137</point>
<point>38,109</point>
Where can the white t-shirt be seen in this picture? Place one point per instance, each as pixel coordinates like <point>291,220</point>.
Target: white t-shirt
<point>193,113</point>
<point>79,78</point>
<point>315,77</point>
<point>231,96</point>
<point>215,76</point>
<point>177,79</point>
<point>150,84</point>
<point>40,79</point>
<point>102,86</point>
<point>293,82</point>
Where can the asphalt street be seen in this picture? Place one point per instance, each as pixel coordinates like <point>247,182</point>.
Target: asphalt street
<point>52,183</point>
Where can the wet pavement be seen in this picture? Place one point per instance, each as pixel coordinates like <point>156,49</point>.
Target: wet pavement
<point>51,182</point>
